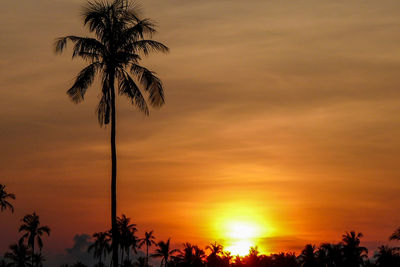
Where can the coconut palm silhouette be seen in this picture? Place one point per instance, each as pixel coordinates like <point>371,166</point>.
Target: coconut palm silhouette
<point>127,238</point>
<point>121,38</point>
<point>33,232</point>
<point>18,255</point>
<point>4,199</point>
<point>148,240</point>
<point>353,253</point>
<point>308,257</point>
<point>395,235</point>
<point>164,252</point>
<point>101,246</point>
<point>387,256</point>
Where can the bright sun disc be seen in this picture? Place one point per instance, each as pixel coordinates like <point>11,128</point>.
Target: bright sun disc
<point>240,247</point>
<point>242,230</point>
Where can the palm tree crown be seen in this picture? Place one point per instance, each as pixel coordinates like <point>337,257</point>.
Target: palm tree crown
<point>120,41</point>
<point>33,232</point>
<point>164,252</point>
<point>4,199</point>
<point>395,235</point>
<point>148,240</point>
<point>19,255</point>
<point>100,246</point>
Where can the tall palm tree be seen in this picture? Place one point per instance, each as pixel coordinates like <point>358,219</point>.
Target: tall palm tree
<point>4,199</point>
<point>148,240</point>
<point>33,232</point>
<point>19,255</point>
<point>164,252</point>
<point>100,246</point>
<point>395,235</point>
<point>121,37</point>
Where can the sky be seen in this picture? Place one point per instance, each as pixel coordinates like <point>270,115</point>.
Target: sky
<point>282,115</point>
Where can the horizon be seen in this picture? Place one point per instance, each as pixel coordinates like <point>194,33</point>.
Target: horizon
<point>280,122</point>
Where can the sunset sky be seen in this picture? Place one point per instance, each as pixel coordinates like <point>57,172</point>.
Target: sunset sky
<point>282,115</point>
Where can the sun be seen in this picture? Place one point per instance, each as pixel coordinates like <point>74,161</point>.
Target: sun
<point>241,226</point>
<point>242,230</point>
<point>241,236</point>
<point>240,247</point>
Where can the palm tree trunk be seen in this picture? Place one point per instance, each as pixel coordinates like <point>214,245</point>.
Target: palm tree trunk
<point>33,251</point>
<point>114,229</point>
<point>147,255</point>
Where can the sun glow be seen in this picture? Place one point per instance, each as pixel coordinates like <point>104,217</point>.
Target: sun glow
<point>242,226</point>
<point>240,247</point>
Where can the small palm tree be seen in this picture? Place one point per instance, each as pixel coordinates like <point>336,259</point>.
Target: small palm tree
<point>4,199</point>
<point>121,38</point>
<point>214,259</point>
<point>353,253</point>
<point>33,232</point>
<point>387,256</point>
<point>308,257</point>
<point>38,259</point>
<point>164,252</point>
<point>330,255</point>
<point>395,235</point>
<point>127,238</point>
<point>148,240</point>
<point>100,246</point>
<point>19,255</point>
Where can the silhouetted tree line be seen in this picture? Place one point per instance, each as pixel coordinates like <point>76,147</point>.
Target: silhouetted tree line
<point>347,253</point>
<point>27,252</point>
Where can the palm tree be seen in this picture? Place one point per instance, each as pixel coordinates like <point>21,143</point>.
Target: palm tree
<point>121,37</point>
<point>191,255</point>
<point>127,238</point>
<point>330,255</point>
<point>308,257</point>
<point>4,196</point>
<point>353,253</point>
<point>164,252</point>
<point>33,232</point>
<point>19,255</point>
<point>148,240</point>
<point>395,235</point>
<point>100,246</point>
<point>38,259</point>
<point>214,259</point>
<point>387,256</point>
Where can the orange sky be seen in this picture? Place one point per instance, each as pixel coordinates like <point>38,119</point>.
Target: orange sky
<point>286,112</point>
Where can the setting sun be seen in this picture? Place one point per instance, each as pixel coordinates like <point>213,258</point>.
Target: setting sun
<point>242,236</point>
<point>240,247</point>
<point>242,225</point>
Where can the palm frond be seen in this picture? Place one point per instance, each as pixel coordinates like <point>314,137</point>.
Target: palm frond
<point>129,88</point>
<point>83,81</point>
<point>94,16</point>
<point>146,47</point>
<point>142,28</point>
<point>104,107</point>
<point>126,58</point>
<point>152,84</point>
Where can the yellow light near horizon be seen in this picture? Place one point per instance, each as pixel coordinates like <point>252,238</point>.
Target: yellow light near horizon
<point>243,230</point>
<point>240,226</point>
<point>240,247</point>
